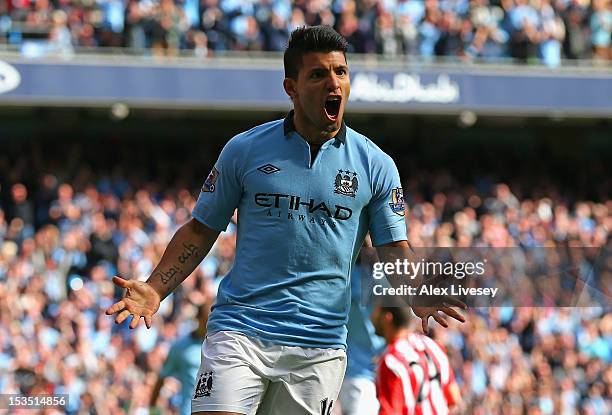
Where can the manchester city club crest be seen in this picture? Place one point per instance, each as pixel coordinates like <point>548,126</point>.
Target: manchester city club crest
<point>209,183</point>
<point>205,385</point>
<point>346,183</point>
<point>397,201</point>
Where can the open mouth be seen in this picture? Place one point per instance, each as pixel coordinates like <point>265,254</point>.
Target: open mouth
<point>332,107</point>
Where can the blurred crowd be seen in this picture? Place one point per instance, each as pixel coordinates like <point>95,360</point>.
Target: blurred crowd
<point>526,30</point>
<point>532,361</point>
<point>66,228</point>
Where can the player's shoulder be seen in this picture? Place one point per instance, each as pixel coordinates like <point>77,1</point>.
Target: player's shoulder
<point>265,130</point>
<point>400,352</point>
<point>433,345</point>
<point>366,145</point>
<point>239,146</point>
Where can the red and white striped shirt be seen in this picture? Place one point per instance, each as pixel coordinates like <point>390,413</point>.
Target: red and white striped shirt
<point>414,377</point>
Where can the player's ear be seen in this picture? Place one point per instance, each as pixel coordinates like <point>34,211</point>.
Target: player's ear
<point>388,317</point>
<point>290,87</point>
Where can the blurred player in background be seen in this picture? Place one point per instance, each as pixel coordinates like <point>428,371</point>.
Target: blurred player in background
<point>183,361</point>
<point>307,189</point>
<point>358,392</point>
<point>414,374</point>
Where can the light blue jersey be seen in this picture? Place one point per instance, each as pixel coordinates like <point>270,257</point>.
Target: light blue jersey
<point>301,224</point>
<point>182,363</point>
<point>363,345</point>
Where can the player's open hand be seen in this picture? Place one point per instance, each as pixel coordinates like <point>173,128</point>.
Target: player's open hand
<point>140,300</point>
<point>436,306</point>
<point>424,312</point>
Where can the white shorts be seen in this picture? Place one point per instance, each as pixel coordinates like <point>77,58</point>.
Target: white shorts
<point>358,397</point>
<point>241,374</point>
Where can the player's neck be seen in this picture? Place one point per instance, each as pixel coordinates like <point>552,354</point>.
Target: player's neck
<point>311,134</point>
<point>394,334</point>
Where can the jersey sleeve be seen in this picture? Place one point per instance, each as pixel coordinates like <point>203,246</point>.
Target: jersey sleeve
<point>451,390</point>
<point>449,386</point>
<point>394,387</point>
<point>386,209</point>
<point>222,189</point>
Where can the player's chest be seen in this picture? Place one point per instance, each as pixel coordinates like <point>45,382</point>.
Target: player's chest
<point>331,186</point>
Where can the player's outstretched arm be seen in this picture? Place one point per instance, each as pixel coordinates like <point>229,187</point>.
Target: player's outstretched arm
<point>188,247</point>
<point>422,307</point>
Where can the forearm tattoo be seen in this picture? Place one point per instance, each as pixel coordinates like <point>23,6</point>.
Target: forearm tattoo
<point>188,252</point>
<point>170,276</point>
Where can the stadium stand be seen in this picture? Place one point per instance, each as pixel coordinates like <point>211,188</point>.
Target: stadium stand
<point>81,204</point>
<point>70,219</point>
<point>545,31</point>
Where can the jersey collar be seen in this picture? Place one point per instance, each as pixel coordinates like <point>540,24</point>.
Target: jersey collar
<point>289,127</point>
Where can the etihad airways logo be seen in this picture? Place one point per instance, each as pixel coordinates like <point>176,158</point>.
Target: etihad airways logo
<point>296,204</point>
<point>9,77</point>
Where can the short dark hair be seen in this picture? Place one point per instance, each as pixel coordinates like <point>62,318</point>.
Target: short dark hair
<point>398,308</point>
<point>401,315</point>
<point>305,40</point>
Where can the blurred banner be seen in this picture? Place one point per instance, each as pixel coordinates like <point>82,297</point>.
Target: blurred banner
<point>257,84</point>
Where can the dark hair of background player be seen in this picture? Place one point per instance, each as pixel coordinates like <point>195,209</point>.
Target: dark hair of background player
<point>401,315</point>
